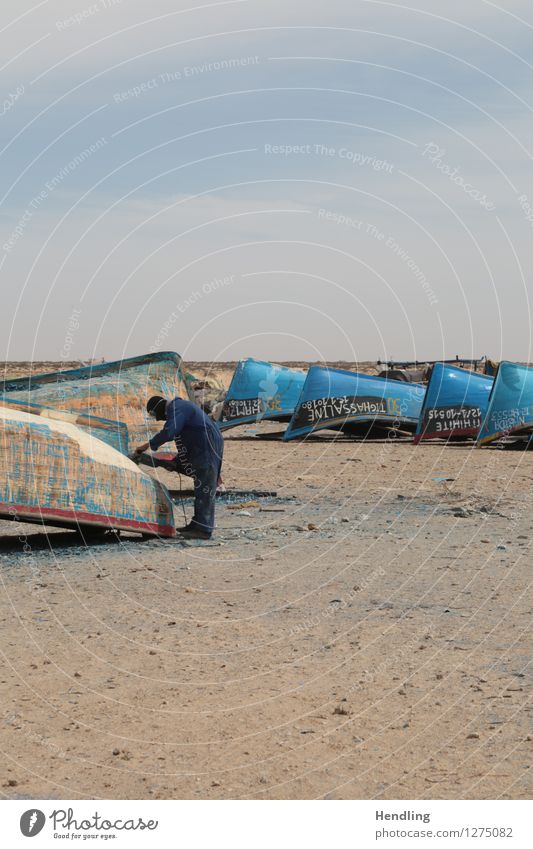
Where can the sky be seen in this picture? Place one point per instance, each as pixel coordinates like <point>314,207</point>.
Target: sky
<point>290,181</point>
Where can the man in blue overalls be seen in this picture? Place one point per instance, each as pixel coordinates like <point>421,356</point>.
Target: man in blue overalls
<point>200,448</point>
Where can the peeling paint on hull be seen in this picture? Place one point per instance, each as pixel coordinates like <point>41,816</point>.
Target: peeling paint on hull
<point>52,471</point>
<point>106,430</point>
<point>117,390</point>
<point>78,519</point>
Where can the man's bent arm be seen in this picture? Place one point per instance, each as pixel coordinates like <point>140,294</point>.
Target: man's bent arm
<point>173,427</point>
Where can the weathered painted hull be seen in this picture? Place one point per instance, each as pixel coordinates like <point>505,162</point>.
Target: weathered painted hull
<point>510,407</point>
<point>455,404</point>
<point>344,400</point>
<point>117,390</point>
<point>53,471</point>
<point>261,391</point>
<point>112,433</point>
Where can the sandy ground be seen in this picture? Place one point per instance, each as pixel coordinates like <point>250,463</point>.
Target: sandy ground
<point>363,634</point>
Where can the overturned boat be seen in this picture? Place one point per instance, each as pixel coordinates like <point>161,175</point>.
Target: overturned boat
<point>354,403</point>
<point>510,406</point>
<point>72,471</point>
<point>261,391</point>
<point>117,390</point>
<point>454,405</point>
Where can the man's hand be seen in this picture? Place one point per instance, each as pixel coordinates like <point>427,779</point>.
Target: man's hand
<point>142,448</point>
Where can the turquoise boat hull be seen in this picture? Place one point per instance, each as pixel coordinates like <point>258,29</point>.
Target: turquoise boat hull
<point>334,399</point>
<point>510,407</point>
<point>261,391</point>
<point>455,404</point>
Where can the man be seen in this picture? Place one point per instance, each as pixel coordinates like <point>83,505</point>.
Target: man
<point>200,448</point>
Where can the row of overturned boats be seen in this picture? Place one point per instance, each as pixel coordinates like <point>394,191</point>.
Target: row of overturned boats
<point>454,404</point>
<point>66,435</point>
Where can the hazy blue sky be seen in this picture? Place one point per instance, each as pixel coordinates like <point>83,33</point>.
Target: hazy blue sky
<point>305,180</point>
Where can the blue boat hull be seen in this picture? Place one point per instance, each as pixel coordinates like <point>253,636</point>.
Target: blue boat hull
<point>353,402</point>
<point>455,404</point>
<point>510,407</point>
<point>261,391</point>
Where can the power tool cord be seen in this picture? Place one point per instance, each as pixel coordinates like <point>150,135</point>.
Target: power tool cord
<point>182,503</point>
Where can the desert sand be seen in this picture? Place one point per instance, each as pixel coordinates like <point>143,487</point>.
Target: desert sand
<point>363,633</point>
